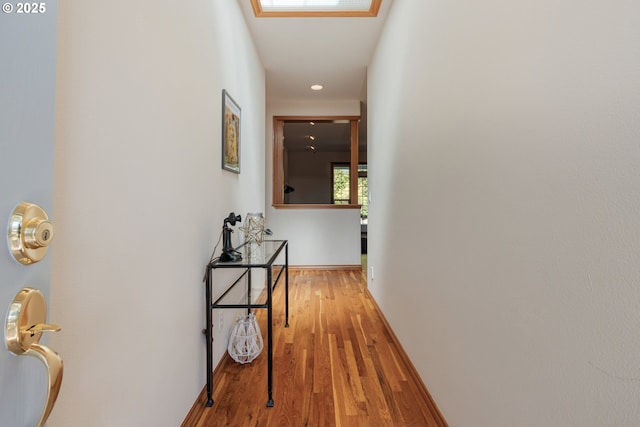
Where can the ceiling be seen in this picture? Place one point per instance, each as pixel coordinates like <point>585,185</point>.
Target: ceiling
<point>328,136</point>
<point>299,52</point>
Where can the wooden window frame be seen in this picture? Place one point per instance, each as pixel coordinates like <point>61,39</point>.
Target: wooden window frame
<point>333,180</point>
<point>278,163</point>
<point>371,13</point>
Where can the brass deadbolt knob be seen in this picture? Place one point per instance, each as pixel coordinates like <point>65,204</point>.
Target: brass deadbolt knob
<point>30,233</point>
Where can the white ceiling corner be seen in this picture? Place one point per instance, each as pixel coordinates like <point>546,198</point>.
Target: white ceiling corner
<point>298,52</point>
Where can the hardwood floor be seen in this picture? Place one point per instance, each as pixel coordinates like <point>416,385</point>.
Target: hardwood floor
<point>338,364</point>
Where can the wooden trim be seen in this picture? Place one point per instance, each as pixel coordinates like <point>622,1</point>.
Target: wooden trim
<point>351,267</point>
<point>198,408</point>
<point>371,13</point>
<point>314,118</point>
<point>278,161</point>
<point>353,175</point>
<point>410,368</point>
<point>314,206</point>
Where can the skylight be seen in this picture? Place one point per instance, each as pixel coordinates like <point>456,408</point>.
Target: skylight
<point>300,8</point>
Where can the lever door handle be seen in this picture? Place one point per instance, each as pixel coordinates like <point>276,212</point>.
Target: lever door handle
<point>53,362</point>
<point>24,327</point>
<point>40,327</point>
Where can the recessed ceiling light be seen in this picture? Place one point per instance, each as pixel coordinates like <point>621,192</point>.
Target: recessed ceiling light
<point>311,137</point>
<point>316,87</point>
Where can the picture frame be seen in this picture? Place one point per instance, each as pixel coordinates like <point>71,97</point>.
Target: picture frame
<point>231,121</point>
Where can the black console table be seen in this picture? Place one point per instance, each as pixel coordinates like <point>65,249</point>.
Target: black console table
<point>253,256</point>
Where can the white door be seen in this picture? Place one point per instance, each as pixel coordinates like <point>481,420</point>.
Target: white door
<point>27,91</point>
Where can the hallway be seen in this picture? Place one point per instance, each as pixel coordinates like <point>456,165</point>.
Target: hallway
<point>336,365</point>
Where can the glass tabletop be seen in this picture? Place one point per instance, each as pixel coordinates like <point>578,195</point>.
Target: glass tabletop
<point>254,254</point>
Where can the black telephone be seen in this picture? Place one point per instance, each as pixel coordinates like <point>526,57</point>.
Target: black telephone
<point>228,253</point>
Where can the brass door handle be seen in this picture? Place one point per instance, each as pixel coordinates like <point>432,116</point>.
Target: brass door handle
<point>24,327</point>
<point>40,327</point>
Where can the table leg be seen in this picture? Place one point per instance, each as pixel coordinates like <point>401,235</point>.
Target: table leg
<point>286,285</point>
<point>249,292</point>
<point>269,339</point>
<point>208,337</point>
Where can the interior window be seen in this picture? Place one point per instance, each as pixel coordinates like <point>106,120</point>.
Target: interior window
<point>310,154</point>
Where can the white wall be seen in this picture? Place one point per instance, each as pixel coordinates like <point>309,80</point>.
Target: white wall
<point>310,173</point>
<point>504,166</point>
<point>317,237</point>
<point>139,198</point>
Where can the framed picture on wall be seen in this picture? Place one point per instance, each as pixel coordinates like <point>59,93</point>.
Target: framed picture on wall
<point>230,133</point>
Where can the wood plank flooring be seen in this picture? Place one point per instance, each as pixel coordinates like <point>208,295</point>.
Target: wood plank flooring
<point>338,364</point>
